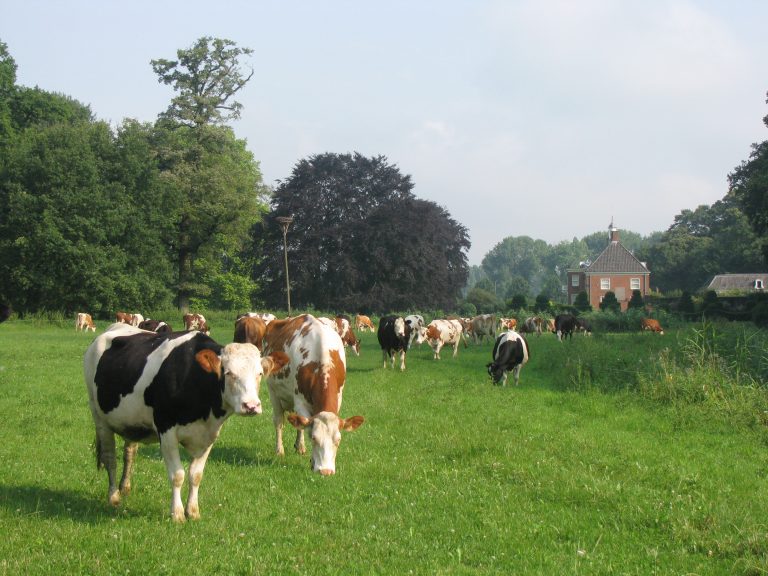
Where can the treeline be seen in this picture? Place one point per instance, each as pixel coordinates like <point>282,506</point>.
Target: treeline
<point>175,212</point>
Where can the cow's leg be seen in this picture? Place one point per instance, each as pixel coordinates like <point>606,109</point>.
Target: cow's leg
<point>278,420</point>
<point>129,455</point>
<point>517,374</point>
<point>105,456</point>
<point>456,348</point>
<point>299,444</point>
<point>402,361</point>
<point>169,448</point>
<point>438,347</point>
<point>196,468</point>
<point>504,379</point>
<point>384,357</point>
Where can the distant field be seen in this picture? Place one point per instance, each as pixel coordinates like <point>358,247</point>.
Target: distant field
<point>572,472</point>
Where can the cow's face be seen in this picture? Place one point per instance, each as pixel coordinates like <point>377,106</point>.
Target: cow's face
<point>400,327</point>
<point>242,367</point>
<point>325,429</point>
<point>496,372</point>
<point>420,335</point>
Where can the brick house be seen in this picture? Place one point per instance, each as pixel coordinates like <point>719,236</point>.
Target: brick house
<point>724,283</point>
<point>616,270</point>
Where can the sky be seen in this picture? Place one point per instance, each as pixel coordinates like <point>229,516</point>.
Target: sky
<point>540,118</point>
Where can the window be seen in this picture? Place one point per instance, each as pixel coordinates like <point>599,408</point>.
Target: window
<point>634,283</point>
<point>759,284</point>
<point>575,280</point>
<point>605,283</point>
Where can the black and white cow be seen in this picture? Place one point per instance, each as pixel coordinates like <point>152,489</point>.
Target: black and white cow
<point>5,312</point>
<point>565,324</point>
<point>510,353</point>
<point>394,335</point>
<point>583,325</point>
<point>177,389</point>
<point>418,329</point>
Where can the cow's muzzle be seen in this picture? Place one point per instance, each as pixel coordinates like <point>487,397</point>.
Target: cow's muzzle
<point>250,408</point>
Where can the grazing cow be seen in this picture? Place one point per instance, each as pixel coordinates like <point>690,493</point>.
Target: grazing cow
<point>310,386</point>
<point>364,323</point>
<point>551,325</point>
<point>441,332</point>
<point>510,353</point>
<point>507,324</point>
<point>533,324</point>
<point>177,389</point>
<point>417,327</point>
<point>130,319</point>
<point>342,327</point>
<point>196,322</point>
<point>583,325</point>
<point>393,335</point>
<point>481,326</point>
<point>565,324</point>
<point>651,324</point>
<point>155,326</point>
<point>5,312</point>
<point>250,329</point>
<point>84,322</point>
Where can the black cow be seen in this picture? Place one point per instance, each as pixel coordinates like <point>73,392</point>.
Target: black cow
<point>565,324</point>
<point>155,326</point>
<point>177,389</point>
<point>393,335</point>
<point>5,312</point>
<point>584,325</point>
<point>510,352</point>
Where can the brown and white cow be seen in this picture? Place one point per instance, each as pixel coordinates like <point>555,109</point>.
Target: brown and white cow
<point>196,322</point>
<point>84,322</point>
<point>250,329</point>
<point>651,325</point>
<point>481,326</point>
<point>364,323</point>
<point>507,324</point>
<point>534,324</point>
<point>309,387</point>
<point>130,319</point>
<point>175,388</point>
<point>442,332</point>
<point>342,327</point>
<point>266,317</point>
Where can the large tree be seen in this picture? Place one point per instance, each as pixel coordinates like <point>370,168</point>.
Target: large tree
<point>360,240</point>
<point>749,186</point>
<point>217,183</point>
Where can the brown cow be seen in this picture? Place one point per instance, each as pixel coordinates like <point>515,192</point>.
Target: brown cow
<point>250,329</point>
<point>196,322</point>
<point>364,323</point>
<point>84,322</point>
<point>651,324</point>
<point>130,319</point>
<point>309,387</point>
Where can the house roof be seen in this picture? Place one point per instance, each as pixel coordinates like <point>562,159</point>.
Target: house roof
<point>725,282</point>
<point>616,259</point>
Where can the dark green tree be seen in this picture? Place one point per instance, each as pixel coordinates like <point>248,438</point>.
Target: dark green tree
<point>542,303</point>
<point>636,302</point>
<point>518,302</point>
<point>485,302</point>
<point>748,184</point>
<point>685,305</point>
<point>360,240</point>
<point>610,303</point>
<point>581,302</point>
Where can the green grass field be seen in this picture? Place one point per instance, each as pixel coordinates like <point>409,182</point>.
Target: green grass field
<point>576,471</point>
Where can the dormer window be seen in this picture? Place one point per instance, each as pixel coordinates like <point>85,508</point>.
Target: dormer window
<point>759,284</point>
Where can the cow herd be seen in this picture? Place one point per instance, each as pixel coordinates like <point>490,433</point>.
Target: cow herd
<point>147,383</point>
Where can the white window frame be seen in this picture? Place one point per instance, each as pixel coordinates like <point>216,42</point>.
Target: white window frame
<point>759,284</point>
<point>605,283</point>
<point>634,283</point>
<point>575,281</point>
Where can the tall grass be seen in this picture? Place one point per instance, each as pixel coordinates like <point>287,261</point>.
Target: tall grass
<point>448,475</point>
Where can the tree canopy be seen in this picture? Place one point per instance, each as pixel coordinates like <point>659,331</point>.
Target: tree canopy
<point>360,240</point>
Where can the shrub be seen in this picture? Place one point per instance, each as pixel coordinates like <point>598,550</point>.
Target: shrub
<point>581,303</point>
<point>610,303</point>
<point>636,301</point>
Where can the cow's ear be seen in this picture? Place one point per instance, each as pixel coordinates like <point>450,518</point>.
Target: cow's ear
<point>209,361</point>
<point>274,362</point>
<point>299,422</point>
<point>352,423</point>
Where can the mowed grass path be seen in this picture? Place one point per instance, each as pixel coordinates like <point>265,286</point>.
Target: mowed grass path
<point>448,475</point>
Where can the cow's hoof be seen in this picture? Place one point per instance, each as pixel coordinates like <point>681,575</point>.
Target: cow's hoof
<point>114,498</point>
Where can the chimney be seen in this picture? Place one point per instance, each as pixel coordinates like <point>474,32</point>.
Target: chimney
<point>614,233</point>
